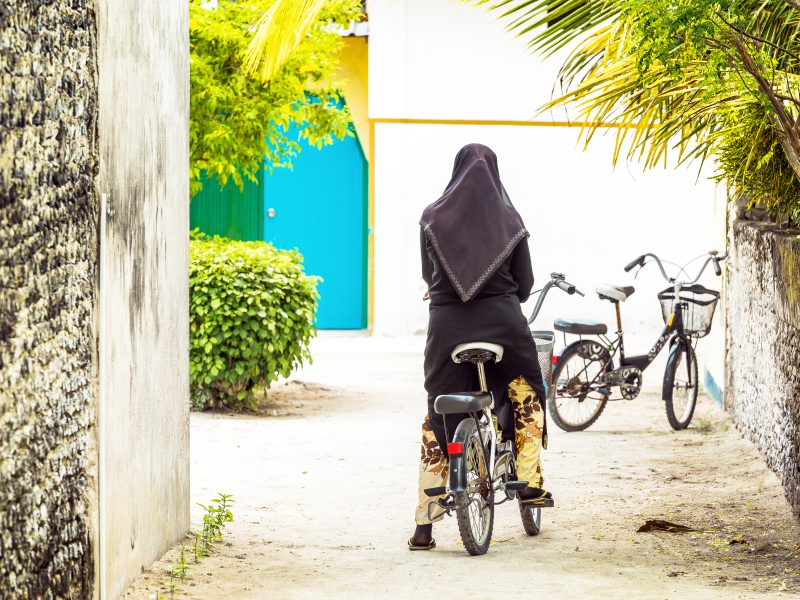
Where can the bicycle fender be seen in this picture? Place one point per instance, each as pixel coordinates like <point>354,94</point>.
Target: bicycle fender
<point>568,349</point>
<point>458,471</point>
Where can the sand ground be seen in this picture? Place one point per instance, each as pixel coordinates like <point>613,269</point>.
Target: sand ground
<point>325,485</point>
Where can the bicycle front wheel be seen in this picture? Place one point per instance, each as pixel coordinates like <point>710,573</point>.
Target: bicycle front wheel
<point>680,385</point>
<point>475,505</point>
<point>579,392</point>
<point>531,518</point>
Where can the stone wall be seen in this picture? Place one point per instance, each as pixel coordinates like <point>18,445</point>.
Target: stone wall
<point>48,267</point>
<point>763,344</point>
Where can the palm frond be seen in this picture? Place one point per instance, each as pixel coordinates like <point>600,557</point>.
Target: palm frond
<point>278,34</point>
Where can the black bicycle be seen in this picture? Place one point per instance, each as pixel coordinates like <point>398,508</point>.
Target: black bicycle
<point>482,471</point>
<point>586,376</point>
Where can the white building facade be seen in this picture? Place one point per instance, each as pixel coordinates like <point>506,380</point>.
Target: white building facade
<point>442,74</point>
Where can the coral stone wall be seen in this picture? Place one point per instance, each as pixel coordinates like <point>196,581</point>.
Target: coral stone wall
<point>763,344</point>
<point>48,220</point>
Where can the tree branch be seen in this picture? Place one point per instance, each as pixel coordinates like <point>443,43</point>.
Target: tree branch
<point>791,99</point>
<point>758,39</point>
<point>783,122</point>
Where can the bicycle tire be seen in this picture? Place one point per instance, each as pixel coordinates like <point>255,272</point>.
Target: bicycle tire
<point>477,478</point>
<point>680,352</point>
<point>531,518</point>
<point>596,353</point>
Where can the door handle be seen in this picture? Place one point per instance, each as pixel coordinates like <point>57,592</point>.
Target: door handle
<point>271,213</point>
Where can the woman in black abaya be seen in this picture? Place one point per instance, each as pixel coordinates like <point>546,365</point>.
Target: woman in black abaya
<point>476,262</point>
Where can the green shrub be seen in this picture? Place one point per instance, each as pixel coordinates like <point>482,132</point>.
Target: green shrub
<point>252,318</point>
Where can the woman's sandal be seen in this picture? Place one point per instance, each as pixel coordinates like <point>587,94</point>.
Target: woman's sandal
<point>429,546</point>
<point>536,497</point>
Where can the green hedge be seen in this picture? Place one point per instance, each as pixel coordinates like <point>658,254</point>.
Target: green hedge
<point>252,318</point>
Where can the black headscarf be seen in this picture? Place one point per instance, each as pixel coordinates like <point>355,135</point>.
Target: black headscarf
<point>473,227</point>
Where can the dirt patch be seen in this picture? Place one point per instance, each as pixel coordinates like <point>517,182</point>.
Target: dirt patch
<point>291,398</point>
<point>738,507</point>
<point>296,398</point>
<point>735,529</point>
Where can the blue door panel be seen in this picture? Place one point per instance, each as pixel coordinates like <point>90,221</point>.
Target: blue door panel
<point>320,208</point>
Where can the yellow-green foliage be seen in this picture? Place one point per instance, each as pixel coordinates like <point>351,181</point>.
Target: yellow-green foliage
<point>239,124</point>
<point>252,317</point>
<point>696,79</point>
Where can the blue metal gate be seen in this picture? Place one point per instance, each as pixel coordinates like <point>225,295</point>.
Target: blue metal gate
<point>320,208</point>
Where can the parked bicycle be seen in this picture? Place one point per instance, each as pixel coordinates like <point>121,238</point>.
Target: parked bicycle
<point>586,374</point>
<point>482,471</point>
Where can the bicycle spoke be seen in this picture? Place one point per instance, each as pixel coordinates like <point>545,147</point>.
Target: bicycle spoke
<point>477,489</point>
<point>577,397</point>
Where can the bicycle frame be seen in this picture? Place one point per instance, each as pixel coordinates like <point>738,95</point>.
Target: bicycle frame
<point>673,327</point>
<point>483,421</point>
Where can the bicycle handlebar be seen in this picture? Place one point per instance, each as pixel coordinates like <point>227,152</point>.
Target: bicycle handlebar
<point>639,260</point>
<point>567,287</point>
<point>556,280</point>
<point>713,257</point>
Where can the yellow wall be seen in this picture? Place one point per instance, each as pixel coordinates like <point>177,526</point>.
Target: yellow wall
<point>353,74</point>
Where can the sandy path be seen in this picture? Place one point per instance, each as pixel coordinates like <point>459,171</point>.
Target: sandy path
<point>325,500</point>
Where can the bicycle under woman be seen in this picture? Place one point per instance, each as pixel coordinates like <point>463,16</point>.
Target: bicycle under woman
<point>481,468</point>
<point>586,373</point>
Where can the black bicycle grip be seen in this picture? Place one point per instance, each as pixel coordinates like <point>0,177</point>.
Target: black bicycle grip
<point>567,287</point>
<point>717,268</point>
<point>637,261</point>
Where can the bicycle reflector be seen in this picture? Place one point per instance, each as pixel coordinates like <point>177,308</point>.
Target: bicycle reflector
<point>555,359</point>
<point>455,448</point>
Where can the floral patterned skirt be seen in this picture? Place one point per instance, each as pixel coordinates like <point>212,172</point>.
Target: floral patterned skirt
<point>528,427</point>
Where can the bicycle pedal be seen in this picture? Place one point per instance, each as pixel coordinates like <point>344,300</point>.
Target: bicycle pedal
<point>539,503</point>
<point>435,491</point>
<point>516,485</point>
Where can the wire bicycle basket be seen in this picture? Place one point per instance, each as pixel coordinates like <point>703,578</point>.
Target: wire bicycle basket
<point>545,341</point>
<point>698,304</point>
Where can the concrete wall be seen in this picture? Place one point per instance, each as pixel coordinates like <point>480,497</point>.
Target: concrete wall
<point>48,268</point>
<point>435,61</point>
<point>94,456</point>
<point>143,142</point>
<point>762,384</point>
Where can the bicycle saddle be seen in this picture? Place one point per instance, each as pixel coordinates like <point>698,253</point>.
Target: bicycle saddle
<point>615,293</point>
<point>465,402</point>
<point>477,352</point>
<point>580,326</point>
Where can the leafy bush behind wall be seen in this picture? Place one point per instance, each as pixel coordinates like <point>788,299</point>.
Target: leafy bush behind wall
<point>252,317</point>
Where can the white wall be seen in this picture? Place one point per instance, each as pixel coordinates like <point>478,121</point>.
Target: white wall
<point>586,219</point>
<point>142,129</point>
<point>435,59</point>
<point>444,59</point>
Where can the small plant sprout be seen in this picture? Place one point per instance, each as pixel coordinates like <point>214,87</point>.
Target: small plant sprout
<point>197,551</point>
<point>217,515</point>
<point>181,570</point>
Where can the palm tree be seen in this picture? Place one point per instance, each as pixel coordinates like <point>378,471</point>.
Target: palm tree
<point>697,76</point>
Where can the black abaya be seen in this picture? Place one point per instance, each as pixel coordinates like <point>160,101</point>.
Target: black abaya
<point>494,315</point>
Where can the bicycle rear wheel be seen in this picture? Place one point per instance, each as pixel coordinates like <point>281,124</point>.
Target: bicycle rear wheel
<point>579,394</point>
<point>680,385</point>
<point>475,505</point>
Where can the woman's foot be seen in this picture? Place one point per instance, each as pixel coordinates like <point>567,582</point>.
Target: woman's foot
<point>422,538</point>
<point>532,494</point>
